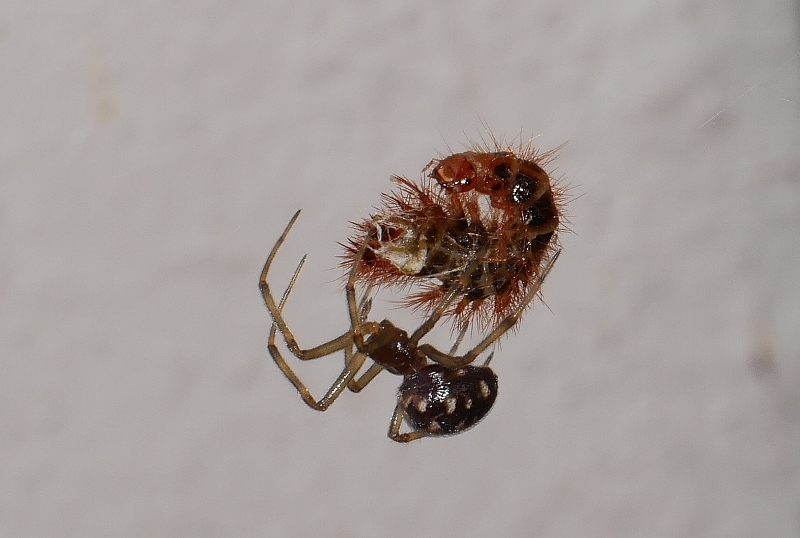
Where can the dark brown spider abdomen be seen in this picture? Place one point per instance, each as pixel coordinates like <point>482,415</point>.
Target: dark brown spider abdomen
<point>445,401</point>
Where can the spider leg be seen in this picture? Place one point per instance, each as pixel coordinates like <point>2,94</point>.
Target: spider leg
<point>357,385</point>
<point>436,315</point>
<point>351,367</point>
<point>458,341</point>
<point>321,350</point>
<point>501,328</point>
<point>456,289</point>
<point>358,318</point>
<point>397,422</point>
<point>335,389</point>
<point>357,310</point>
<point>364,307</point>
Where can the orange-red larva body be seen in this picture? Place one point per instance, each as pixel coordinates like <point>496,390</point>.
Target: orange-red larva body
<point>484,221</point>
<point>513,184</point>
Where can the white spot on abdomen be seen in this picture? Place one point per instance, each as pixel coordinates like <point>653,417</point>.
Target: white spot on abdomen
<point>485,392</point>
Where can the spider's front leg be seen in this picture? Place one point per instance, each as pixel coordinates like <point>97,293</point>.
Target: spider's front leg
<point>344,342</point>
<point>275,311</point>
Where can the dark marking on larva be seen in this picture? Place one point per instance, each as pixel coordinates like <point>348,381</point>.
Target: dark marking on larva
<point>522,189</point>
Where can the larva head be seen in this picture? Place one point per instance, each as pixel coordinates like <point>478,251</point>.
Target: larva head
<point>455,173</point>
<point>492,174</point>
<point>517,186</point>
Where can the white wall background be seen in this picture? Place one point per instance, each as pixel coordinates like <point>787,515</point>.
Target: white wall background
<point>151,152</point>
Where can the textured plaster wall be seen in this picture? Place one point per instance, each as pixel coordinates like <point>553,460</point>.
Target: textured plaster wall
<point>151,152</point>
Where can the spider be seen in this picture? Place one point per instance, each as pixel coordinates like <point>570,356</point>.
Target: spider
<point>441,393</point>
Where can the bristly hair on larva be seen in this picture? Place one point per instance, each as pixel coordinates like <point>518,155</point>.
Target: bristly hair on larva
<point>483,222</point>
